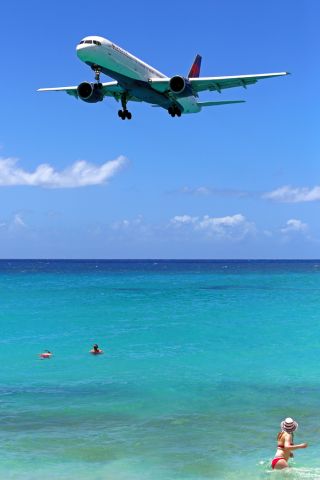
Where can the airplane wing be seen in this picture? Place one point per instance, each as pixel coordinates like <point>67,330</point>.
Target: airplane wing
<point>110,89</point>
<point>215,83</point>
<point>214,104</point>
<point>220,83</point>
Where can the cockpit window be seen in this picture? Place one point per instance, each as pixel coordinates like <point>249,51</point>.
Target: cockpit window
<point>90,42</point>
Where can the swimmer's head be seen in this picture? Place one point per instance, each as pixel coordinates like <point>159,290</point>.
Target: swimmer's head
<point>288,425</point>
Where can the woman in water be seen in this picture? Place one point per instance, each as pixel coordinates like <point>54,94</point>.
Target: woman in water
<point>45,354</point>
<point>285,444</point>
<point>96,350</point>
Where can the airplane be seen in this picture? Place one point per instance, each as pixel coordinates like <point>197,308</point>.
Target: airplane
<point>135,80</point>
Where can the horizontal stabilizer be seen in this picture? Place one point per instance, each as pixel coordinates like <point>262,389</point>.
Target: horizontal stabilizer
<point>212,104</point>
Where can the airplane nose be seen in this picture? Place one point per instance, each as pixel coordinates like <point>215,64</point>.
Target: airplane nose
<point>83,49</point>
<point>81,46</point>
<point>79,49</point>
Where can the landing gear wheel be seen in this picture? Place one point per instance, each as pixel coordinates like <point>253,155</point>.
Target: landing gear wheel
<point>124,112</point>
<point>173,111</point>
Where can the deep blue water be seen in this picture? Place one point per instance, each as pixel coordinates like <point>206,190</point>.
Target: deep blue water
<point>202,361</point>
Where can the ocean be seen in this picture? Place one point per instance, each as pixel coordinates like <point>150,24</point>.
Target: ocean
<point>202,361</point>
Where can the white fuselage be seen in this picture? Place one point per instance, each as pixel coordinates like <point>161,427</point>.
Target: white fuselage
<point>95,50</point>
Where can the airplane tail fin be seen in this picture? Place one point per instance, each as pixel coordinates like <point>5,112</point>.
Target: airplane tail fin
<point>194,71</point>
<point>226,102</point>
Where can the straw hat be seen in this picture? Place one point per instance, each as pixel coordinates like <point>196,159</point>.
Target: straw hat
<point>288,425</point>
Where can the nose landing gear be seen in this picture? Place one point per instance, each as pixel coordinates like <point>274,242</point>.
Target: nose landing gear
<point>174,110</point>
<point>97,71</point>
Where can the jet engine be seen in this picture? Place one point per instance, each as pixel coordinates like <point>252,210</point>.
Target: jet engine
<point>90,92</point>
<point>177,84</point>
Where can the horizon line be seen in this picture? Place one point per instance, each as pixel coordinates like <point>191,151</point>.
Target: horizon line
<point>163,259</point>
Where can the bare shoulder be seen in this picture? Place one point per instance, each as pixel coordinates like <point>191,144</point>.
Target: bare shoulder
<point>288,440</point>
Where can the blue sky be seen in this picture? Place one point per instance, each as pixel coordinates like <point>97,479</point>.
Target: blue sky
<point>238,181</point>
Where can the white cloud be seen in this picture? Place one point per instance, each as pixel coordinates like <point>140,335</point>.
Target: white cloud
<point>288,194</point>
<point>231,226</point>
<point>128,224</point>
<point>179,220</point>
<point>80,174</point>
<point>218,222</point>
<point>14,224</point>
<point>18,221</point>
<point>294,226</point>
<point>196,190</point>
<point>206,191</point>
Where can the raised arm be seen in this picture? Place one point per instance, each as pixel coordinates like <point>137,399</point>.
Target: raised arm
<point>289,446</point>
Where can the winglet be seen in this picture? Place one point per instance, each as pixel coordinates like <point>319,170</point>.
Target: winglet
<point>194,71</point>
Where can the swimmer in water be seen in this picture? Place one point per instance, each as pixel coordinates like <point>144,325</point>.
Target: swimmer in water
<point>285,444</point>
<point>45,354</point>
<point>96,350</point>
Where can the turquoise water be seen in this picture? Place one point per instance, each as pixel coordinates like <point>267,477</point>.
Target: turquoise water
<point>203,360</point>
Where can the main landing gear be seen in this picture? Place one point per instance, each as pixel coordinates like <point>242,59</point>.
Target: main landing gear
<point>123,114</point>
<point>174,110</point>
